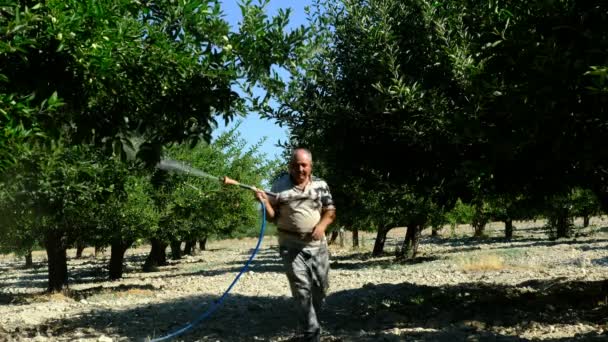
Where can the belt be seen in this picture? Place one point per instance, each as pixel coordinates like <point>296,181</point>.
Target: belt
<point>301,236</point>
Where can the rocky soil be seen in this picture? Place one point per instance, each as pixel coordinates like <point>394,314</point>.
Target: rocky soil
<point>458,289</point>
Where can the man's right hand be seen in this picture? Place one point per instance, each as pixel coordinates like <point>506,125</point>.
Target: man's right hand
<point>261,195</point>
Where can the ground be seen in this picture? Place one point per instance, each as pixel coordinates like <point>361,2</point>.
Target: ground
<point>458,289</point>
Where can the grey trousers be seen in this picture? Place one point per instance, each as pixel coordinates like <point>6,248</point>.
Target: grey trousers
<point>307,270</point>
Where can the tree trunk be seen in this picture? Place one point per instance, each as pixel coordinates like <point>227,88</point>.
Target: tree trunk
<point>508,229</point>
<point>202,244</point>
<point>28,260</point>
<point>79,250</point>
<point>117,257</point>
<point>479,227</point>
<point>585,221</point>
<point>562,226</point>
<point>334,236</point>
<point>479,221</point>
<point>190,248</point>
<point>355,237</point>
<point>157,256</point>
<point>176,249</point>
<point>380,241</point>
<point>409,248</point>
<point>99,249</point>
<point>435,231</point>
<point>57,261</point>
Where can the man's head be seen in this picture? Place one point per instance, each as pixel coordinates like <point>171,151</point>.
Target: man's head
<point>300,165</point>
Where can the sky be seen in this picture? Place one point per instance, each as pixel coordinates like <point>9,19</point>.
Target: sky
<point>253,128</point>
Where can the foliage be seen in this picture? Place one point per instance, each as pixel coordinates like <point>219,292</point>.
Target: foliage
<point>55,188</point>
<point>461,214</point>
<point>128,215</point>
<point>360,104</point>
<point>584,202</point>
<point>19,111</point>
<point>17,224</point>
<point>475,98</point>
<point>199,207</point>
<point>159,70</point>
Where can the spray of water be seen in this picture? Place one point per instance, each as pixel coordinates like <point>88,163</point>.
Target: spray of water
<point>175,166</point>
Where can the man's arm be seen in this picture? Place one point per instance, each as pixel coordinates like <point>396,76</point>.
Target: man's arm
<point>327,217</point>
<point>267,202</point>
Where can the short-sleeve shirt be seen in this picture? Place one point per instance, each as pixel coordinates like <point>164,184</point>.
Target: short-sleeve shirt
<point>299,210</point>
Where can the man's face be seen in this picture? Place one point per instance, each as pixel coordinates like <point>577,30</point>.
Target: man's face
<point>301,167</point>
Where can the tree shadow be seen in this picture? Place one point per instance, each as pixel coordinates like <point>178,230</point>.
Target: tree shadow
<point>600,261</point>
<point>602,229</point>
<point>239,318</point>
<point>468,243</point>
<point>592,248</point>
<point>461,312</point>
<point>14,298</point>
<point>115,290</point>
<point>484,311</point>
<point>270,261</point>
<point>26,279</point>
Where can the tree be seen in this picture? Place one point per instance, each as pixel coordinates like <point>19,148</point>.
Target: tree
<point>585,204</point>
<point>58,186</point>
<point>512,94</point>
<point>194,208</point>
<point>17,225</point>
<point>126,217</point>
<point>461,213</point>
<point>108,71</point>
<point>510,207</point>
<point>375,89</point>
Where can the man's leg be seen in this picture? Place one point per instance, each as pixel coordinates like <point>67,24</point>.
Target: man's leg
<point>320,273</point>
<point>298,266</point>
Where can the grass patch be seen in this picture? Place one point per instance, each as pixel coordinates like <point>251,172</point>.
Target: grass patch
<point>514,253</point>
<point>507,259</point>
<point>483,262</point>
<point>50,297</point>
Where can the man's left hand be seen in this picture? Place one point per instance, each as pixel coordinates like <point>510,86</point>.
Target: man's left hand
<point>318,232</point>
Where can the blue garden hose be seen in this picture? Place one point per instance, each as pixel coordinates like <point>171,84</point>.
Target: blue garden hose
<point>216,304</point>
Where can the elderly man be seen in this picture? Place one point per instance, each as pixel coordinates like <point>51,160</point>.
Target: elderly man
<point>302,210</point>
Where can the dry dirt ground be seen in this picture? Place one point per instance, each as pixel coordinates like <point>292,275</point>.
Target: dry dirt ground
<point>459,289</point>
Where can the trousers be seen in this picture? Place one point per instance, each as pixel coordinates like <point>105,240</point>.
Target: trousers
<point>307,270</point>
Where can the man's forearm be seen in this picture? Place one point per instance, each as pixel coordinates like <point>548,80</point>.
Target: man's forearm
<point>327,217</point>
<point>270,213</point>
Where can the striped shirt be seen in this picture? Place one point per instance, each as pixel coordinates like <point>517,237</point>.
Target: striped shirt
<point>299,210</point>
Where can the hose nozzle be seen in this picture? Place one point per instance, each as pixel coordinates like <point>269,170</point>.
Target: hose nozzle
<point>229,181</point>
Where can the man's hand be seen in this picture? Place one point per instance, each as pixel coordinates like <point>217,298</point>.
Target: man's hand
<point>327,217</point>
<point>318,232</point>
<point>261,195</point>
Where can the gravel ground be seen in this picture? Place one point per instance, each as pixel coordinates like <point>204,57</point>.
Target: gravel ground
<point>458,289</point>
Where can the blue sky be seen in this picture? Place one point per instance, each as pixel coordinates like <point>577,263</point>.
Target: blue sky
<point>253,128</point>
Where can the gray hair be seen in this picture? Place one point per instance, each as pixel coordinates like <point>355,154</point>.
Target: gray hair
<point>294,153</point>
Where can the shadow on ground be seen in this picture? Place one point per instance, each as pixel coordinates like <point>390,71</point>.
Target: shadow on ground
<point>472,243</point>
<point>385,312</point>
